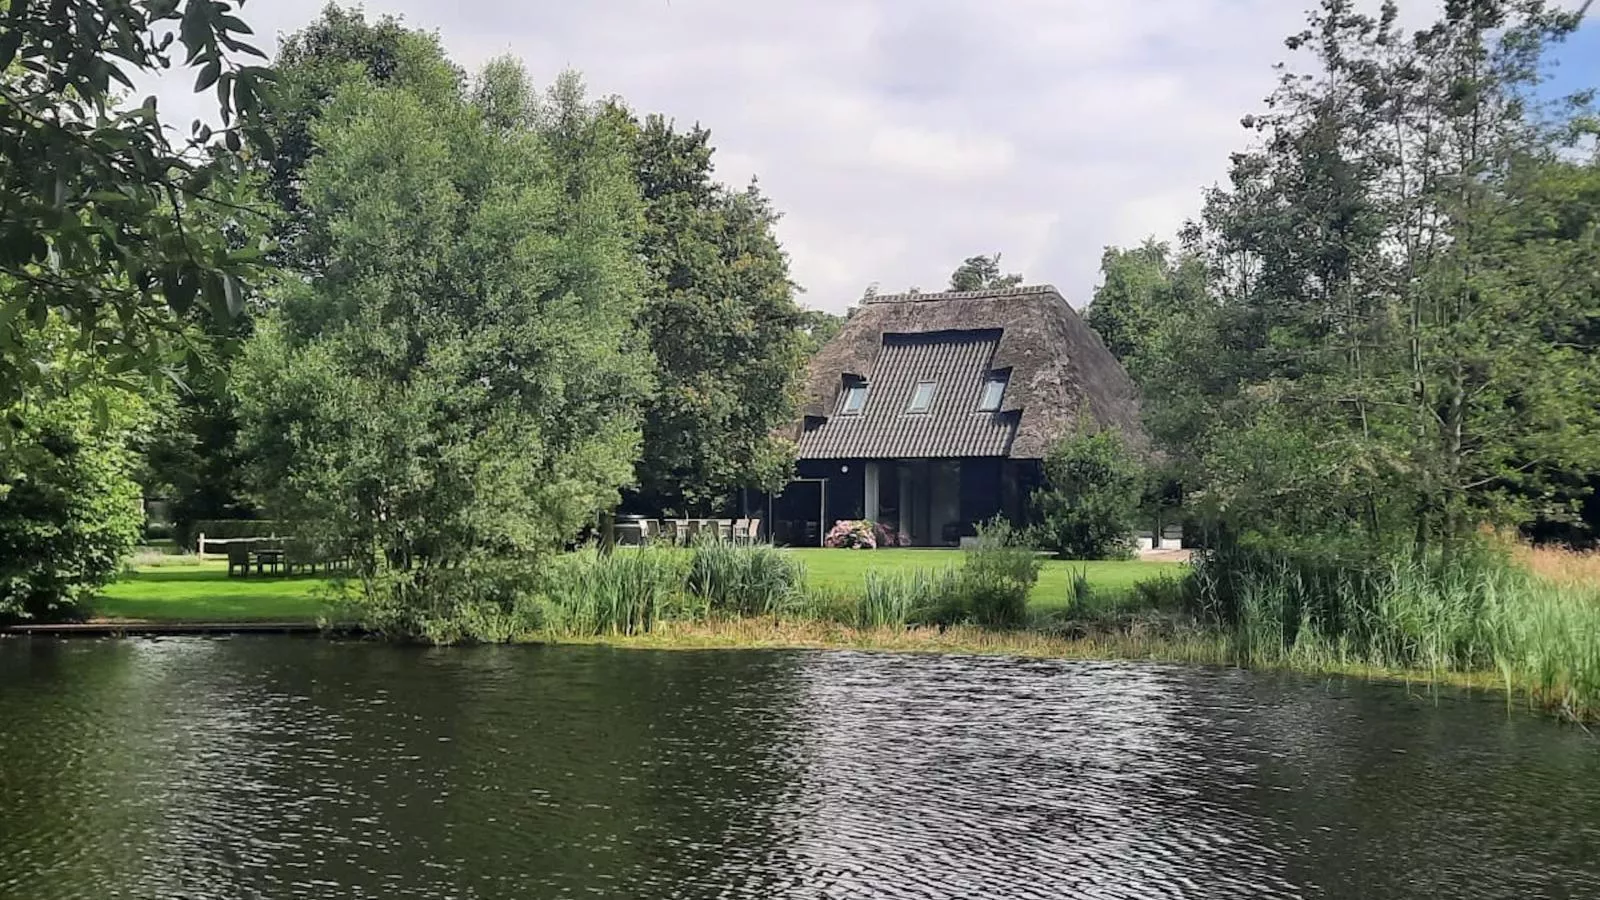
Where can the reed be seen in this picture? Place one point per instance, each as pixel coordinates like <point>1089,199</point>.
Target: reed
<point>1476,611</point>
<point>918,596</point>
<point>745,580</point>
<point>625,592</point>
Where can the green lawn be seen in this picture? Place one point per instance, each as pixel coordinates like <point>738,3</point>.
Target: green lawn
<point>204,592</point>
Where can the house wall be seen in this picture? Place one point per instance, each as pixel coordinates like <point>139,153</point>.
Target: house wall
<point>933,502</point>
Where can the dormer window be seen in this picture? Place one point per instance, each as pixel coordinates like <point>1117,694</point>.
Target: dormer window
<point>922,397</point>
<point>855,398</point>
<point>994,390</point>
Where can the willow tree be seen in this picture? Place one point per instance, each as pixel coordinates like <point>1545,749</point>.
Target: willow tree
<point>459,388</point>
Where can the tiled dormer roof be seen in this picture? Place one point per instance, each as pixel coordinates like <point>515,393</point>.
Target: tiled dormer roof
<point>957,364</point>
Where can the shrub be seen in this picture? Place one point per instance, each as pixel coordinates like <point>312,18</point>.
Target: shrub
<point>997,577</point>
<point>69,508</point>
<point>483,600</point>
<point>852,534</point>
<point>745,581</point>
<point>1089,505</point>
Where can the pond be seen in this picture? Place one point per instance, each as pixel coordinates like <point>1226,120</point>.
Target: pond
<point>281,767</point>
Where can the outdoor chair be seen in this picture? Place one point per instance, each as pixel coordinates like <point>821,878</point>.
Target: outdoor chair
<point>239,558</point>
<point>650,530</point>
<point>629,534</point>
<point>676,530</point>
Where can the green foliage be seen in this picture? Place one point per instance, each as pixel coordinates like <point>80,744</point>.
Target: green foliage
<point>624,592</point>
<point>1143,288</point>
<point>192,460</point>
<point>990,588</point>
<point>100,227</point>
<point>745,581</point>
<point>338,47</point>
<point>1469,611</point>
<point>1398,337</point>
<point>895,598</point>
<point>982,273</point>
<point>724,328</point>
<point>999,572</point>
<point>1088,507</point>
<point>462,384</point>
<point>819,327</point>
<point>69,508</point>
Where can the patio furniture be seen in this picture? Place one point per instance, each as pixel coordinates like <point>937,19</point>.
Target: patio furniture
<point>650,530</point>
<point>629,534</point>
<point>269,559</point>
<point>746,531</point>
<point>239,558</point>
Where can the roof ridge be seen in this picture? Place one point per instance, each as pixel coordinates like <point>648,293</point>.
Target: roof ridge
<point>982,294</point>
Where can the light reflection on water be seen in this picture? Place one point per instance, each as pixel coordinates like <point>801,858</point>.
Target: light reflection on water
<point>280,767</point>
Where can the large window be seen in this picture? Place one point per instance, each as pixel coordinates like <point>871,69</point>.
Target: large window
<point>922,397</point>
<point>994,390</point>
<point>855,399</point>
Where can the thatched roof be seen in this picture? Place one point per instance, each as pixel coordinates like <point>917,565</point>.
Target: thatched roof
<point>1057,365</point>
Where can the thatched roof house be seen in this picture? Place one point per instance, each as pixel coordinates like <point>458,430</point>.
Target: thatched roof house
<point>930,412</point>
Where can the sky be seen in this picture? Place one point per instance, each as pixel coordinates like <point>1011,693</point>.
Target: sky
<point>899,137</point>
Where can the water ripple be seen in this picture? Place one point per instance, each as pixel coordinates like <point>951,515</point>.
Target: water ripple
<point>287,768</point>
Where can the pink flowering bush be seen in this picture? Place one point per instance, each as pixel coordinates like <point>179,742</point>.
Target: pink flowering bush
<point>851,534</point>
<point>888,537</point>
<point>864,534</point>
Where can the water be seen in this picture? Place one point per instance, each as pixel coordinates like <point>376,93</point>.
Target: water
<point>281,767</point>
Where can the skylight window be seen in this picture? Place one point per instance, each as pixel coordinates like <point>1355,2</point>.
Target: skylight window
<point>855,399</point>
<point>922,397</point>
<point>994,390</point>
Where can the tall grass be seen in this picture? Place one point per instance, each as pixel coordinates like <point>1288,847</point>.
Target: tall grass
<point>744,580</point>
<point>917,596</point>
<point>588,593</point>
<point>990,588</point>
<point>1475,611</point>
<point>1561,564</point>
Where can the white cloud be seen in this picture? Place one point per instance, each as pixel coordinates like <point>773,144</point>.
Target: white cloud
<point>900,137</point>
<point>943,155</point>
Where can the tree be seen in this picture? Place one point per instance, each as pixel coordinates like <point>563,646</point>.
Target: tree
<point>98,228</point>
<point>1142,288</point>
<point>981,273</point>
<point>338,47</point>
<point>1395,355</point>
<point>1089,505</point>
<point>192,458</point>
<point>724,328</point>
<point>69,507</point>
<point>819,327</point>
<point>459,390</point>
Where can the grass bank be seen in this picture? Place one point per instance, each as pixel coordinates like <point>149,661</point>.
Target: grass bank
<point>174,588</point>
<point>1528,623</point>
